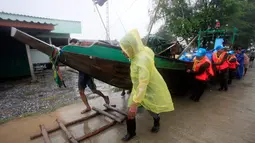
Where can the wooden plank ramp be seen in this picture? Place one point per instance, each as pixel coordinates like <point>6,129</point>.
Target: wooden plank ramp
<point>107,114</point>
<point>70,137</point>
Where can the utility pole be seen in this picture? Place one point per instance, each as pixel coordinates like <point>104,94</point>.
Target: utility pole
<point>107,22</point>
<point>106,27</point>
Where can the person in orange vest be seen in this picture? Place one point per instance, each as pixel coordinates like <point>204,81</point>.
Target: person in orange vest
<point>202,70</point>
<point>232,63</point>
<point>219,60</point>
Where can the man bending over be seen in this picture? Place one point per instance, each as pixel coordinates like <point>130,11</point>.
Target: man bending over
<point>85,80</point>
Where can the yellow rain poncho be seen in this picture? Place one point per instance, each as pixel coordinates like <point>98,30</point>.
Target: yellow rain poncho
<point>149,88</point>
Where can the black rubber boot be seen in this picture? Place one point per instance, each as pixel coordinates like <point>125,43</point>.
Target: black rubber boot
<point>131,128</point>
<point>192,97</point>
<point>156,125</point>
<point>123,93</point>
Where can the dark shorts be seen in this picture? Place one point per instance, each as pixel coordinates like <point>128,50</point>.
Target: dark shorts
<point>251,59</point>
<point>85,80</point>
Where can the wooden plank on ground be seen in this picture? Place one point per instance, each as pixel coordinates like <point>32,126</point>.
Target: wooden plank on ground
<point>97,131</point>
<point>68,134</point>
<point>115,109</point>
<point>66,124</point>
<point>107,114</point>
<point>45,134</point>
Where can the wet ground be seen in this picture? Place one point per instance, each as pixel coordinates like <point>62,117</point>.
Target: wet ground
<point>21,98</point>
<point>220,117</point>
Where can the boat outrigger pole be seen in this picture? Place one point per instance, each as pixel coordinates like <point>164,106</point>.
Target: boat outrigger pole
<point>188,47</point>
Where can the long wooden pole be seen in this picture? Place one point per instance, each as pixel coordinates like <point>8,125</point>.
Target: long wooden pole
<point>68,134</point>
<point>45,134</point>
<point>188,47</point>
<point>95,132</point>
<point>114,109</point>
<point>107,114</point>
<point>166,49</point>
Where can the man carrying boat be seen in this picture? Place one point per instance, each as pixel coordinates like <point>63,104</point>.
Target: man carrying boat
<point>252,57</point>
<point>85,80</point>
<point>219,59</point>
<point>232,63</point>
<point>149,88</point>
<point>246,61</point>
<point>202,70</point>
<point>240,59</point>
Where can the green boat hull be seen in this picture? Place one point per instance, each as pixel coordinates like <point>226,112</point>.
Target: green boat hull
<point>107,63</point>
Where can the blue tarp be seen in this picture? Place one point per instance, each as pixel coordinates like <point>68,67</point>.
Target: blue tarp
<point>240,68</point>
<point>218,42</point>
<point>184,57</point>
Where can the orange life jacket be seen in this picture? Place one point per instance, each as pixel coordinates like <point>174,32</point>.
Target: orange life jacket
<point>232,65</point>
<point>196,66</point>
<point>217,59</point>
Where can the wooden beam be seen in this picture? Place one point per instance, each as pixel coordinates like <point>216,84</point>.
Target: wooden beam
<point>97,131</point>
<point>188,47</point>
<point>7,23</point>
<point>45,134</point>
<point>166,49</point>
<point>68,134</point>
<point>114,109</point>
<point>107,114</point>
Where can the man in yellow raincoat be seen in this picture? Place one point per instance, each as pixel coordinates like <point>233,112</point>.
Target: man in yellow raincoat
<point>149,88</point>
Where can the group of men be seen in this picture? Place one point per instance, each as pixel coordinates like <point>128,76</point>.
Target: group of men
<point>224,64</point>
<point>149,88</point>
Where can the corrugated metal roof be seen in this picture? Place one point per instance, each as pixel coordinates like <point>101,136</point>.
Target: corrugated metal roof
<point>61,26</point>
<point>24,18</point>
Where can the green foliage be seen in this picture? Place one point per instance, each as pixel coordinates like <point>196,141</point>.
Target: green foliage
<point>165,33</point>
<point>184,18</point>
<point>158,44</point>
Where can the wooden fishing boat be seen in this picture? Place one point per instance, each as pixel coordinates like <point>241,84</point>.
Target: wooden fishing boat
<point>106,63</point>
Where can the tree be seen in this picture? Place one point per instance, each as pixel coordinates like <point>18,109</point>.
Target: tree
<point>184,18</point>
<point>165,33</point>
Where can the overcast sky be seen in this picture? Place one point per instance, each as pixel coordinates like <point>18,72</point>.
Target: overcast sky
<point>132,15</point>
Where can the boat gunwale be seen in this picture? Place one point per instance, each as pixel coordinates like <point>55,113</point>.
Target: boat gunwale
<point>160,68</point>
<point>98,43</point>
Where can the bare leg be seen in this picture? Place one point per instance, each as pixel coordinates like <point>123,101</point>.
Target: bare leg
<point>106,98</point>
<point>85,101</point>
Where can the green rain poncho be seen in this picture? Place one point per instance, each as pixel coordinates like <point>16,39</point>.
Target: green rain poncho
<point>149,88</point>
